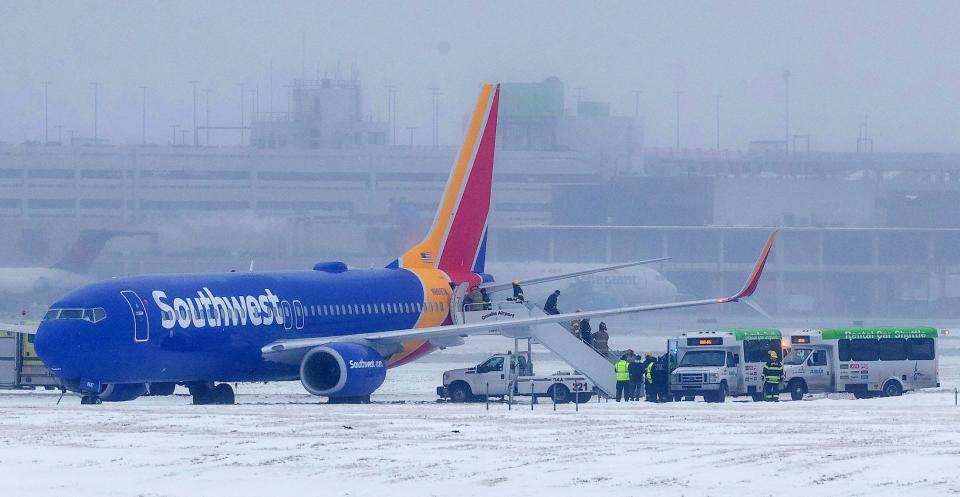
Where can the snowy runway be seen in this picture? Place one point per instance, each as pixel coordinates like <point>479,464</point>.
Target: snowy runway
<point>279,440</point>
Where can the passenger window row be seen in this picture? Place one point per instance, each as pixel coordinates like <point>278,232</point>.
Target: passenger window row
<point>370,309</point>
<point>94,315</point>
<point>330,310</point>
<point>886,349</point>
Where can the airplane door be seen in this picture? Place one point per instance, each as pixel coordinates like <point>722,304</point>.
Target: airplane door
<point>141,325</point>
<point>287,314</point>
<point>299,313</point>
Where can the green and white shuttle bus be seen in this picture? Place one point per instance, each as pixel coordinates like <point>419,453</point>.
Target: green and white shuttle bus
<point>717,364</point>
<point>866,362</point>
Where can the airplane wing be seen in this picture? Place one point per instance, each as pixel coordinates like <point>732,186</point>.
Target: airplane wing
<point>497,287</point>
<point>26,329</point>
<point>283,348</point>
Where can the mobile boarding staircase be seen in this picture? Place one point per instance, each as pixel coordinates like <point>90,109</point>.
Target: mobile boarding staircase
<point>556,337</point>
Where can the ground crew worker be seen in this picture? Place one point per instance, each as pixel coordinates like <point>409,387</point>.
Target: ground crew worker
<point>586,334</point>
<point>551,306</point>
<point>601,340</point>
<point>772,377</point>
<point>622,369</point>
<point>636,379</point>
<point>651,391</point>
<point>660,377</point>
<point>517,291</point>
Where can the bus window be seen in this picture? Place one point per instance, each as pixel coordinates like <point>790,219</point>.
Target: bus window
<point>920,349</point>
<point>759,350</point>
<point>864,349</point>
<point>843,349</point>
<point>893,349</point>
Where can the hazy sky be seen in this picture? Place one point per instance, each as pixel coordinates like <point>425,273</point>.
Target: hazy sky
<point>892,61</point>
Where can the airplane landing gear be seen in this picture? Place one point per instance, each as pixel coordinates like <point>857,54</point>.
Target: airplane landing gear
<point>206,393</point>
<point>90,400</point>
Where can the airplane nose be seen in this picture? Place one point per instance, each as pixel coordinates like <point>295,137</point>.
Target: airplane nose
<point>58,348</point>
<point>669,290</point>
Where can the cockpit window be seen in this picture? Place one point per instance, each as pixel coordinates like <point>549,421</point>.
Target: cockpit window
<point>93,315</point>
<point>71,314</point>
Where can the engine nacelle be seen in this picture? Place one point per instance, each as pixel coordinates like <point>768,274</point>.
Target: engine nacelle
<point>342,370</point>
<point>121,392</point>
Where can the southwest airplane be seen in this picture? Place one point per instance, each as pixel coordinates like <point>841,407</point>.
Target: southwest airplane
<point>334,328</point>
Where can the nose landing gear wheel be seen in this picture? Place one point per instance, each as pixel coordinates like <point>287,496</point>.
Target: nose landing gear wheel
<point>90,400</point>
<point>223,394</point>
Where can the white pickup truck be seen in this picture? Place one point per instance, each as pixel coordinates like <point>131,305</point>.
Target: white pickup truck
<point>501,373</point>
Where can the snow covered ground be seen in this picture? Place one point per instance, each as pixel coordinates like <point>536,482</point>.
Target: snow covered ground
<point>279,440</point>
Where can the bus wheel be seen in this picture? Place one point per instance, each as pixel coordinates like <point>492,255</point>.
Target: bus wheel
<point>559,393</point>
<point>797,389</point>
<point>892,388</point>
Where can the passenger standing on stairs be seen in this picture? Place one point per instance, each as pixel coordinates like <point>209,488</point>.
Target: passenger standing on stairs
<point>486,299</point>
<point>551,305</point>
<point>517,291</point>
<point>586,332</point>
<point>601,340</point>
<point>476,299</point>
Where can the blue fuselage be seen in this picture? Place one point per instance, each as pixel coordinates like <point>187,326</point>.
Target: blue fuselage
<point>212,327</point>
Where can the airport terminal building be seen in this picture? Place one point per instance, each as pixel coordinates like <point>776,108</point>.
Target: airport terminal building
<point>865,234</point>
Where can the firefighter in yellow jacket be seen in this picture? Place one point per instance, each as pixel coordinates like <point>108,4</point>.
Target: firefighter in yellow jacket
<point>772,377</point>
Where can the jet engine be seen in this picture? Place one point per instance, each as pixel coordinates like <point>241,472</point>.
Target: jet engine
<point>343,371</point>
<point>121,392</point>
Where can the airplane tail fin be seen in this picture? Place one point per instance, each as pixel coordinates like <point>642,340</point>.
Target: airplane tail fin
<point>85,250</point>
<point>456,240</point>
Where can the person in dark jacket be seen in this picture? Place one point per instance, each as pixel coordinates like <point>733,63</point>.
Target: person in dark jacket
<point>517,291</point>
<point>551,306</point>
<point>636,379</point>
<point>661,375</point>
<point>486,299</point>
<point>585,332</point>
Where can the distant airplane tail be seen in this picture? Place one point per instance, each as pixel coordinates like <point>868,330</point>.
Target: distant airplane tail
<point>456,243</point>
<point>85,250</point>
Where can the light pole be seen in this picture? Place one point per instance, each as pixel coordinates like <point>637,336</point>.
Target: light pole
<point>677,95</point>
<point>717,96</point>
<point>143,117</point>
<point>46,107</point>
<point>411,128</point>
<point>96,91</point>
<point>390,89</point>
<point>206,117</point>
<point>174,128</point>
<point>196,137</point>
<point>243,91</point>
<point>435,92</point>
<point>786,110</point>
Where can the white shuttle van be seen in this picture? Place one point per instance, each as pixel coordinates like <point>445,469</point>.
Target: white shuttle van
<point>866,362</point>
